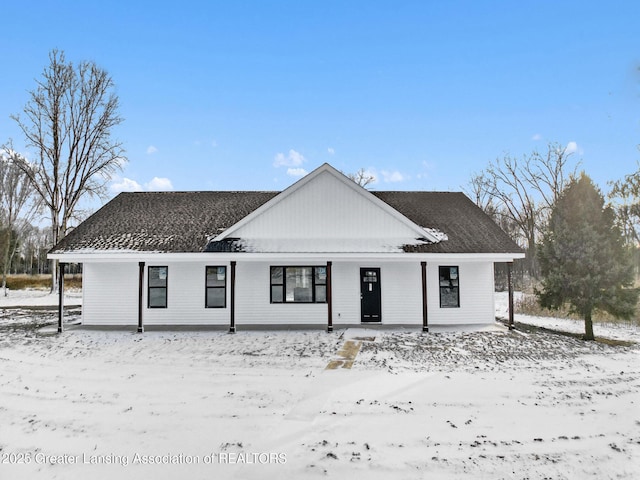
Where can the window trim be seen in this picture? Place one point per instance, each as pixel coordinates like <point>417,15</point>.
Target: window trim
<point>207,288</point>
<point>314,284</point>
<point>457,287</point>
<point>149,287</point>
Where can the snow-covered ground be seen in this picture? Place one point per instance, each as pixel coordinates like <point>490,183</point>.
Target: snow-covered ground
<point>38,298</point>
<point>615,331</point>
<point>202,404</point>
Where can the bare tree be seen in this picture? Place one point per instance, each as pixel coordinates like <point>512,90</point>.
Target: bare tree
<point>523,192</point>
<point>478,191</point>
<point>18,206</point>
<point>548,174</point>
<point>68,122</point>
<point>625,196</point>
<point>362,177</point>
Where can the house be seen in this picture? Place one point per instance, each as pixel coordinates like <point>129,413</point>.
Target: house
<point>324,252</point>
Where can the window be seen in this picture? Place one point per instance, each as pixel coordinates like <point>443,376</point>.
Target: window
<point>449,287</point>
<point>216,285</point>
<point>157,297</point>
<point>298,284</point>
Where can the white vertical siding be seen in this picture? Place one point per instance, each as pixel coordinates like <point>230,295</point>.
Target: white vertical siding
<point>476,294</point>
<point>325,209</point>
<point>110,294</point>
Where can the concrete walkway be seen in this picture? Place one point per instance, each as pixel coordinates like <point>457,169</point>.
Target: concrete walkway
<point>349,351</point>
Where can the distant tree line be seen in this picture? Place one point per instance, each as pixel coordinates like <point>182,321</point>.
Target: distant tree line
<point>519,193</point>
<point>580,249</point>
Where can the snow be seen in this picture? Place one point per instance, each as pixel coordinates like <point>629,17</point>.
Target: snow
<point>438,235</point>
<point>615,331</point>
<point>453,404</point>
<point>112,250</point>
<point>330,245</point>
<point>38,298</point>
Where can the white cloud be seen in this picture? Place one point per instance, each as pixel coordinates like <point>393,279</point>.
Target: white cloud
<point>151,150</point>
<point>214,143</point>
<point>331,151</point>
<point>296,172</point>
<point>536,137</point>
<point>571,147</point>
<point>392,177</point>
<point>126,185</point>
<point>158,184</point>
<point>293,159</point>
<point>427,168</point>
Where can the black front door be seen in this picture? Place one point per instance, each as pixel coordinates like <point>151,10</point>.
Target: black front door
<point>370,304</point>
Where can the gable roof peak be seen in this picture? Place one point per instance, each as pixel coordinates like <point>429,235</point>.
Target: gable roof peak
<point>327,169</point>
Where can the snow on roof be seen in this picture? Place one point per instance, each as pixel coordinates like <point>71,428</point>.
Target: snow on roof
<point>334,245</point>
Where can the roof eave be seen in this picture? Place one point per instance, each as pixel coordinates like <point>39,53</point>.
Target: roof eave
<point>146,256</point>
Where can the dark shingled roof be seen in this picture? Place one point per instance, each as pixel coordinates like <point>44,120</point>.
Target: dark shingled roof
<point>468,228</point>
<point>162,221</point>
<point>186,221</point>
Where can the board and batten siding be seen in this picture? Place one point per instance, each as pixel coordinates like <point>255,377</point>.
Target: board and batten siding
<point>312,213</point>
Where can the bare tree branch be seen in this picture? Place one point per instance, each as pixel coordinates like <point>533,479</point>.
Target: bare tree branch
<point>520,193</point>
<point>625,197</point>
<point>18,206</point>
<point>68,122</point>
<point>362,177</point>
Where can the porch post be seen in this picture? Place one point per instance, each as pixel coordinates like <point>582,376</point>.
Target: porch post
<point>140,296</point>
<point>425,312</point>
<point>329,300</point>
<point>60,295</point>
<point>510,285</point>
<point>232,326</point>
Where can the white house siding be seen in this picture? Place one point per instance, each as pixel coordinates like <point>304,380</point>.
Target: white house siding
<point>110,294</point>
<point>253,298</point>
<point>400,285</point>
<point>401,293</point>
<point>476,294</point>
<point>345,283</point>
<point>186,296</point>
<point>326,209</point>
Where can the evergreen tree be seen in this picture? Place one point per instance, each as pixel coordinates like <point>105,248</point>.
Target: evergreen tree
<point>583,259</point>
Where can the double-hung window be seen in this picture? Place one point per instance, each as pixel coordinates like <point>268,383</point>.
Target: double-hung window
<point>157,291</point>
<point>298,284</point>
<point>449,287</point>
<point>216,287</point>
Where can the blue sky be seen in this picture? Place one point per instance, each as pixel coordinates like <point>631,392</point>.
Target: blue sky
<point>244,95</point>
